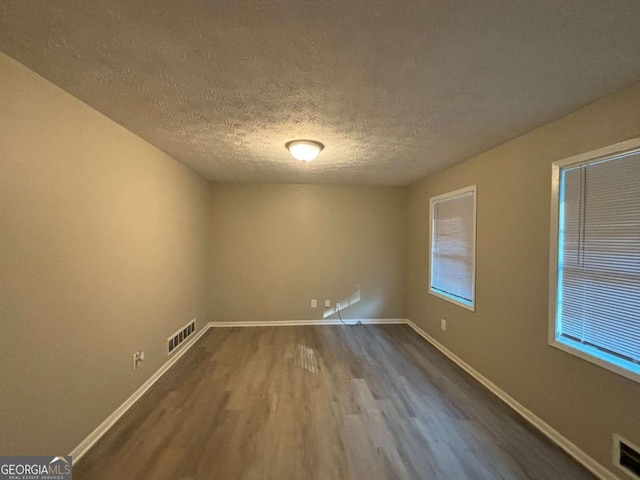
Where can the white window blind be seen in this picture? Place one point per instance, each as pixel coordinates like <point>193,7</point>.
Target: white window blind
<point>453,246</point>
<point>598,297</point>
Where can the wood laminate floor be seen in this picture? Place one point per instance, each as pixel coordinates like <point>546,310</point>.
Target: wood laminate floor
<point>321,402</point>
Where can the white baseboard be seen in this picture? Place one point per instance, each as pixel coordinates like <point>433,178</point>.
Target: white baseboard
<point>84,446</point>
<point>293,323</point>
<point>596,468</point>
<point>592,465</point>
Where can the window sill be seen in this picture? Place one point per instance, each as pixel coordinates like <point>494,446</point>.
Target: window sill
<point>604,360</point>
<point>453,300</point>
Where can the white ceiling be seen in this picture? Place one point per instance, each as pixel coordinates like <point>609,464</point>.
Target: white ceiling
<point>394,89</point>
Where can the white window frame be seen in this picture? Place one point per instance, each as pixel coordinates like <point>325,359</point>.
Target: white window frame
<point>590,354</point>
<point>449,196</point>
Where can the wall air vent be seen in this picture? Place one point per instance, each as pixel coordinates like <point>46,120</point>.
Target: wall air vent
<point>626,457</point>
<point>180,336</point>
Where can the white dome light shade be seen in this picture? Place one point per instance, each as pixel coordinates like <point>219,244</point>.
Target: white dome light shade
<point>304,150</point>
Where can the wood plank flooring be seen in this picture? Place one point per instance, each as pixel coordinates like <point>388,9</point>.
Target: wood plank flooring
<point>321,402</point>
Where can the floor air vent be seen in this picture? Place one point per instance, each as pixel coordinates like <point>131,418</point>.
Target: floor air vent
<point>626,456</point>
<point>180,336</point>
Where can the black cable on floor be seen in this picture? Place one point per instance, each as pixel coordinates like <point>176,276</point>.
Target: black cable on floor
<point>359,322</point>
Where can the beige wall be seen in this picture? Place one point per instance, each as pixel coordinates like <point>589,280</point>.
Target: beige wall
<point>102,253</point>
<point>275,247</point>
<point>506,339</point>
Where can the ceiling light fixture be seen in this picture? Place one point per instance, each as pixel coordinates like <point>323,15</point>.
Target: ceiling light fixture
<point>304,150</point>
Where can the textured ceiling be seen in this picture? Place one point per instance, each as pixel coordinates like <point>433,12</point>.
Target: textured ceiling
<point>394,89</point>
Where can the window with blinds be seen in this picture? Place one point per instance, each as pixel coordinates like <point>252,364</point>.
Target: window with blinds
<point>453,245</point>
<point>597,271</point>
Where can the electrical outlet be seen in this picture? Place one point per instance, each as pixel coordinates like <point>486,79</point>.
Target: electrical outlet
<point>337,305</point>
<point>443,324</point>
<point>138,357</point>
<point>314,303</point>
<point>327,303</point>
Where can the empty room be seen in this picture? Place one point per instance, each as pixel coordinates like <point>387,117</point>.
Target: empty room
<point>320,240</point>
